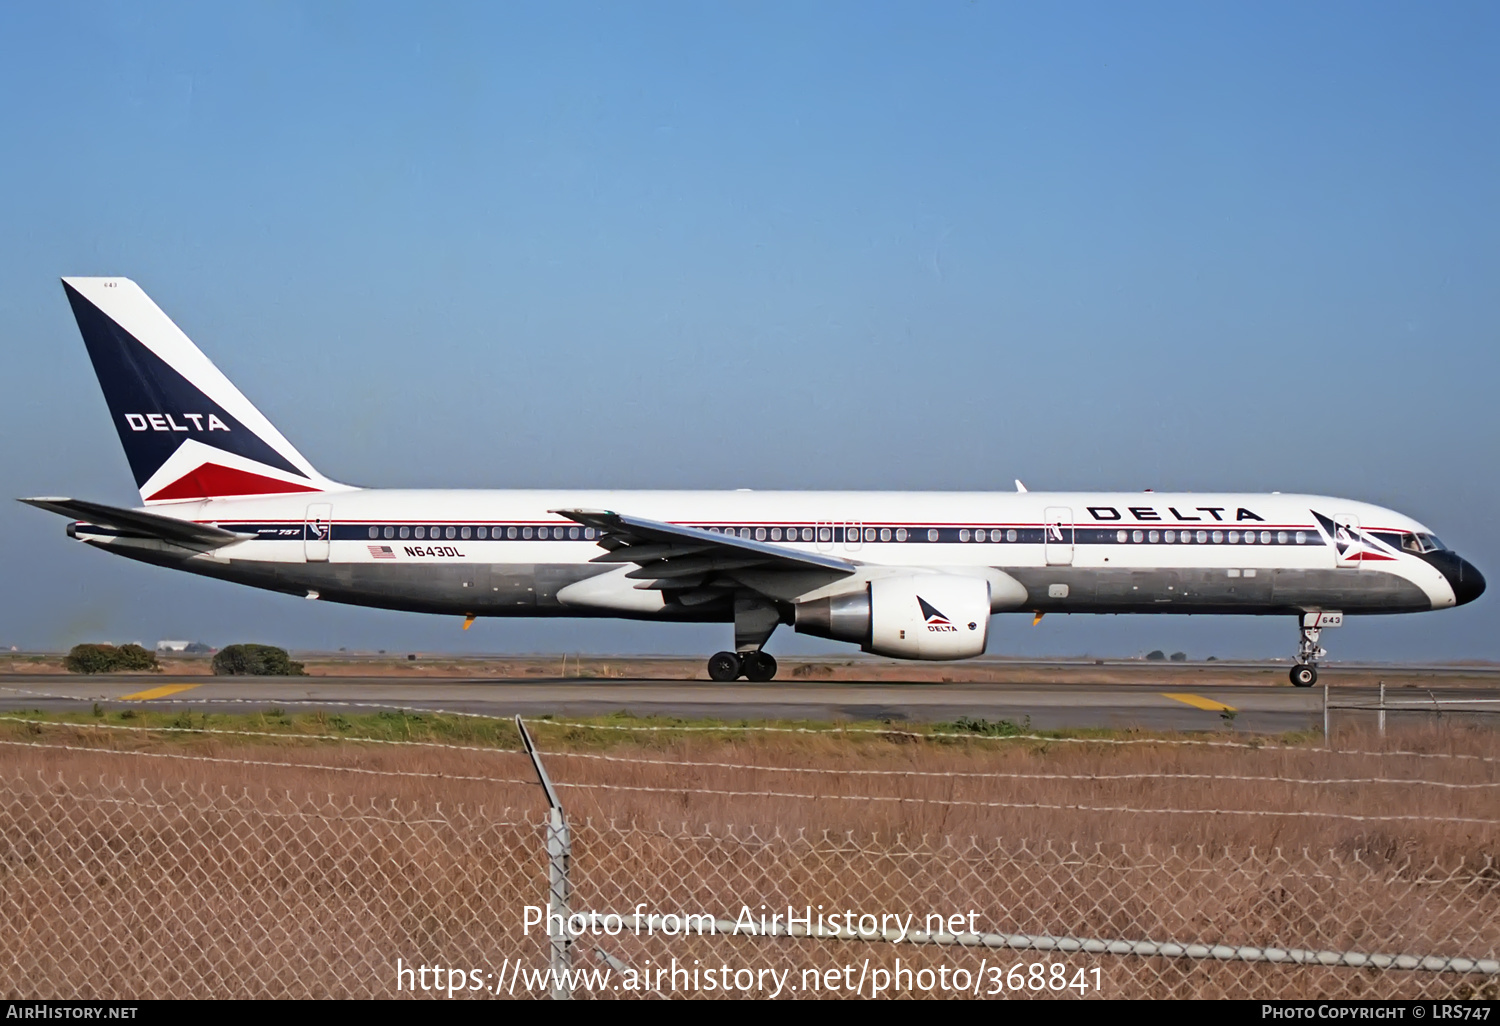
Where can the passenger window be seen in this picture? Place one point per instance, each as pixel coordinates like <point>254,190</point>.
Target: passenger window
<point>1234,537</point>
<point>421,532</point>
<point>932,534</point>
<point>745,532</point>
<point>1136,536</point>
<point>885,534</point>
<point>1153,537</point>
<point>776,534</point>
<point>825,534</point>
<point>588,534</point>
<point>901,534</point>
<point>572,534</point>
<point>963,535</point>
<point>1218,536</point>
<point>1249,537</point>
<point>374,532</point>
<point>463,533</point>
<point>449,533</point>
<point>1122,537</point>
<point>403,532</point>
<point>1169,537</point>
<point>1301,537</point>
<point>1280,537</point>
<point>807,534</point>
<point>482,532</point>
<point>1011,535</point>
<point>510,532</point>
<point>390,532</point>
<point>526,533</point>
<point>1265,537</point>
<point>869,534</point>
<point>435,533</point>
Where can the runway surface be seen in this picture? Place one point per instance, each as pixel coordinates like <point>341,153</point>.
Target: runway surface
<point>1164,705</point>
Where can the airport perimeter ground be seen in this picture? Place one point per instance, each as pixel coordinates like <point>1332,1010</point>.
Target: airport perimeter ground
<point>1117,694</point>
<point>180,834</point>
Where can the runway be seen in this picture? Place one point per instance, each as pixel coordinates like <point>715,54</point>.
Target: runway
<point>1163,705</point>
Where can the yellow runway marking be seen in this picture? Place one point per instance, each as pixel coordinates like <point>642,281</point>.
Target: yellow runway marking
<point>161,692</point>
<point>1198,701</point>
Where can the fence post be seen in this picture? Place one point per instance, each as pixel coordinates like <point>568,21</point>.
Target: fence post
<point>1382,708</point>
<point>559,887</point>
<point>1327,743</point>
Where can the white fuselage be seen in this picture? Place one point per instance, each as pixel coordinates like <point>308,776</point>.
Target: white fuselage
<point>504,553</point>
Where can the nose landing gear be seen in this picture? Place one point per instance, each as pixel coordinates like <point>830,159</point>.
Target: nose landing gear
<point>1305,673</point>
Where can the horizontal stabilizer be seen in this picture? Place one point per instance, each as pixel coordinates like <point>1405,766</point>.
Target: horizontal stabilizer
<point>138,523</point>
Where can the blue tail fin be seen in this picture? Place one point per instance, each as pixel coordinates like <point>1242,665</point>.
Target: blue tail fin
<point>187,431</point>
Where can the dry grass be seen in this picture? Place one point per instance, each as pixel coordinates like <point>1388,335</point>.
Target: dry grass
<point>145,874</point>
<point>828,768</point>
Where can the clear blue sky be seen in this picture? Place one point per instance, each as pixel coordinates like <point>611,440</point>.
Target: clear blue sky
<point>921,245</point>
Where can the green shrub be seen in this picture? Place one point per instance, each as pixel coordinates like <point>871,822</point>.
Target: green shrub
<point>255,661</point>
<point>90,659</point>
<point>974,725</point>
<point>108,659</point>
<point>134,657</point>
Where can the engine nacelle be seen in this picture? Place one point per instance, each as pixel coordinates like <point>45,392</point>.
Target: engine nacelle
<point>924,616</point>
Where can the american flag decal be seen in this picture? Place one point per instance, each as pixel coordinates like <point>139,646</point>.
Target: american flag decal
<point>382,552</point>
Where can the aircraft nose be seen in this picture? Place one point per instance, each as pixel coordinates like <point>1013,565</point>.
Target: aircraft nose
<point>1470,584</point>
<point>1463,576</point>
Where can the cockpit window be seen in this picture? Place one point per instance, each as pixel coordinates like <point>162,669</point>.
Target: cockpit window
<point>1409,541</point>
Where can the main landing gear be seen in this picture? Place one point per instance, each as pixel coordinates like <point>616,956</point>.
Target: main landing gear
<point>754,621</point>
<point>753,666</point>
<point>1305,673</point>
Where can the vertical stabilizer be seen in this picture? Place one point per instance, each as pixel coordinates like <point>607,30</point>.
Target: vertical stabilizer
<point>187,431</point>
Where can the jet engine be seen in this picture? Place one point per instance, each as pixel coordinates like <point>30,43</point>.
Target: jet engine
<point>923,616</point>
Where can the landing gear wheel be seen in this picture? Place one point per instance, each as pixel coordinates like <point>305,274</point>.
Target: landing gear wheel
<point>1304,676</point>
<point>758,666</point>
<point>724,667</point>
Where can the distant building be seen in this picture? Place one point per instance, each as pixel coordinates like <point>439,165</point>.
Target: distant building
<point>183,647</point>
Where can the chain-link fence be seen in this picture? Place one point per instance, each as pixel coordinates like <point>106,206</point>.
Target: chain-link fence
<point>147,890</point>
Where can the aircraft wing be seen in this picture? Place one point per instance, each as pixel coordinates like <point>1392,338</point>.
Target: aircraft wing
<point>138,523</point>
<point>669,556</point>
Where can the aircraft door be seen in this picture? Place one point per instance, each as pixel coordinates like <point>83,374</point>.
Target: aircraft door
<point>1057,535</point>
<point>852,542</point>
<point>824,535</point>
<point>1346,545</point>
<point>317,532</point>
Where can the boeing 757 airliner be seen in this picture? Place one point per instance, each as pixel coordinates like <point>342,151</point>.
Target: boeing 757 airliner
<point>909,575</point>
